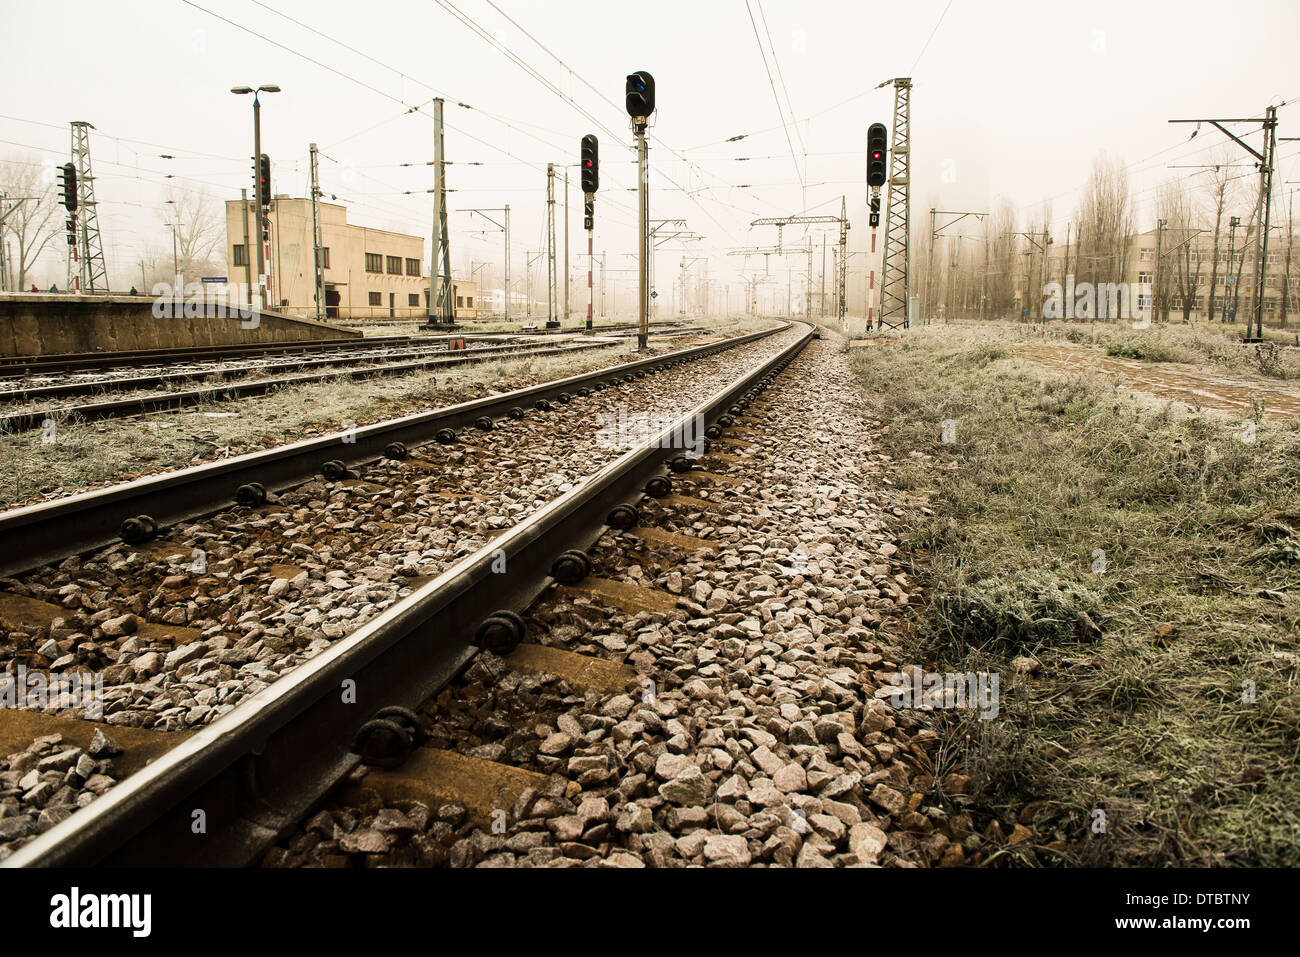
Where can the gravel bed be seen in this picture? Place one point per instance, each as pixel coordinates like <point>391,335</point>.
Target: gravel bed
<point>44,784</point>
<point>762,734</point>
<point>229,373</point>
<point>262,590</point>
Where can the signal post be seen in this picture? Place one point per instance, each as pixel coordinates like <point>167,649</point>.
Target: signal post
<point>640,104</point>
<point>590,183</point>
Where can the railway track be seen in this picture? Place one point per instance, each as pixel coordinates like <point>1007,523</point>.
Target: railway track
<point>171,497</point>
<point>30,365</point>
<point>377,364</point>
<point>678,661</point>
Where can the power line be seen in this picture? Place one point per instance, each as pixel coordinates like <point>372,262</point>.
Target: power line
<point>931,37</point>
<point>772,83</point>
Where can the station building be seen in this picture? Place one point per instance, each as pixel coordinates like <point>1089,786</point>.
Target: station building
<point>369,273</point>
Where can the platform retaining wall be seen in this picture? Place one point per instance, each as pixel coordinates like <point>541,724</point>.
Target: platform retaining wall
<point>49,324</point>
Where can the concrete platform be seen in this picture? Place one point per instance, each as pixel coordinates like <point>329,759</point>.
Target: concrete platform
<point>33,324</point>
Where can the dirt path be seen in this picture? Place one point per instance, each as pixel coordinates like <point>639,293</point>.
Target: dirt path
<point>1204,389</point>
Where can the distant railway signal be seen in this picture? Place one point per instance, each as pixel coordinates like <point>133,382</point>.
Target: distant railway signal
<point>590,163</point>
<point>640,94</point>
<point>68,182</point>
<point>877,147</point>
<point>264,178</point>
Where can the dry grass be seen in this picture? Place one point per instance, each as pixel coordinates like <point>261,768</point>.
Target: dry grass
<point>1200,593</point>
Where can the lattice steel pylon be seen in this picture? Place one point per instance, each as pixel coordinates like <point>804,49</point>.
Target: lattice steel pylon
<point>894,285</point>
<point>93,272</point>
<point>842,263</point>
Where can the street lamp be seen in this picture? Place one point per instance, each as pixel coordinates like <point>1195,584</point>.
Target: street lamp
<point>260,200</point>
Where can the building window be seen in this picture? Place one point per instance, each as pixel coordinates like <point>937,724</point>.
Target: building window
<point>1144,277</point>
<point>469,302</point>
<point>240,257</point>
<point>413,268</point>
<point>394,265</point>
<point>376,298</point>
<point>460,302</point>
<point>324,257</point>
<point>413,299</point>
<point>1145,255</point>
<point>374,263</point>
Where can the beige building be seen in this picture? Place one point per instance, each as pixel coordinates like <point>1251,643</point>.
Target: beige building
<point>1187,268</point>
<point>368,273</point>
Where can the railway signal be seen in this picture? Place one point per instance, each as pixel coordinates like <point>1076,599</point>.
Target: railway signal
<point>264,179</point>
<point>590,164</point>
<point>590,154</point>
<point>68,183</point>
<point>877,146</point>
<point>640,95</point>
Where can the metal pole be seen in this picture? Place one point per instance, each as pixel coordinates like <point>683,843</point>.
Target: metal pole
<point>566,244</point>
<point>550,244</point>
<point>441,307</point>
<point>248,259</point>
<point>318,275</point>
<point>1266,198</point>
<point>929,274</point>
<point>643,236</point>
<point>258,201</point>
<point>1233,222</point>
<point>507,289</point>
<point>602,284</point>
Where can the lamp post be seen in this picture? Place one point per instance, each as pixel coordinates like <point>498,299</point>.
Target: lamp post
<point>260,200</point>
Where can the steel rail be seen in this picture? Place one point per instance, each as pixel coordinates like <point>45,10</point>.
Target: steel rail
<point>51,531</point>
<point>179,399</point>
<point>69,361</point>
<point>257,770</point>
<point>21,392</point>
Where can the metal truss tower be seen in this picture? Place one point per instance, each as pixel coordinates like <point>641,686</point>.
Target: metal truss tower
<point>842,264</point>
<point>442,309</point>
<point>894,287</point>
<point>94,274</point>
<point>780,222</point>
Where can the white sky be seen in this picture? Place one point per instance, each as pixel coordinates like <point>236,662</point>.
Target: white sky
<point>1010,98</point>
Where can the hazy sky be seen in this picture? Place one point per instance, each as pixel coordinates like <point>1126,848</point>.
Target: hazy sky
<point>1010,98</point>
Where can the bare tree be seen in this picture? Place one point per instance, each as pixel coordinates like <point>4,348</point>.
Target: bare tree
<point>1180,270</point>
<point>201,234</point>
<point>1106,224</point>
<point>1219,194</point>
<point>1000,259</point>
<point>32,209</point>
